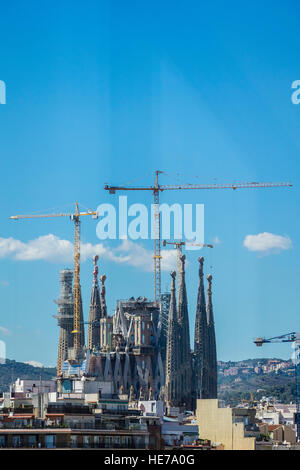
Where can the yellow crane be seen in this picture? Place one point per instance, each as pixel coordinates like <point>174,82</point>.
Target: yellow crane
<point>75,217</point>
<point>157,189</point>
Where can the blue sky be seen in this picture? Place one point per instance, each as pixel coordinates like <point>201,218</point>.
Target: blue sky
<point>108,92</point>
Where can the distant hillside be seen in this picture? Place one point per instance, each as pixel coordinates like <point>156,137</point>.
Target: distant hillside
<point>236,380</point>
<point>12,370</point>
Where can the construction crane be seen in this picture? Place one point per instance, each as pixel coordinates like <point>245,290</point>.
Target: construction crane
<point>75,217</point>
<point>157,189</point>
<point>178,245</point>
<point>289,338</point>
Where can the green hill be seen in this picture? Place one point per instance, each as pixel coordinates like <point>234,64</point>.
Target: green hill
<point>232,389</point>
<point>12,370</point>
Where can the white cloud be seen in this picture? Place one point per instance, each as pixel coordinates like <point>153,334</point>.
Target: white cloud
<point>51,248</point>
<point>138,256</point>
<point>267,243</point>
<point>4,331</point>
<point>34,363</point>
<point>47,247</point>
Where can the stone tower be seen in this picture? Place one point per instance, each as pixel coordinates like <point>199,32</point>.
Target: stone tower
<point>102,297</point>
<point>165,299</point>
<point>82,334</point>
<point>172,351</point>
<point>201,341</point>
<point>205,354</point>
<point>65,316</point>
<point>212,350</point>
<point>93,339</point>
<point>185,357</point>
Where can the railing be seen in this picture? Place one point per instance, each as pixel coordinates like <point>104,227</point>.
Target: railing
<point>69,410</point>
<point>88,426</point>
<point>124,412</point>
<point>68,445</point>
<point>18,411</point>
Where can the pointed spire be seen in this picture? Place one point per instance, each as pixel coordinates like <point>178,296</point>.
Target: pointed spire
<point>95,272</point>
<point>182,295</point>
<point>82,333</point>
<point>183,316</point>
<point>201,295</point>
<point>184,340</point>
<point>210,314</point>
<point>93,341</point>
<point>201,340</point>
<point>173,311</point>
<point>172,362</point>
<point>103,300</point>
<point>212,352</point>
<point>200,320</point>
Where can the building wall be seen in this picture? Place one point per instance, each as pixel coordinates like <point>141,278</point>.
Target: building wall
<point>129,354</point>
<point>34,386</point>
<point>155,407</point>
<point>289,434</point>
<point>216,424</point>
<point>269,417</point>
<point>79,439</point>
<point>284,433</point>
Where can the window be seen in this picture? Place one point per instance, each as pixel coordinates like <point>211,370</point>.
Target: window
<point>86,441</point>
<point>50,441</point>
<point>108,442</point>
<point>16,441</point>
<point>31,441</point>
<point>126,441</point>
<point>73,441</point>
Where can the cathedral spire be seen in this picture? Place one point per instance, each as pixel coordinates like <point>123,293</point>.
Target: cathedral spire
<point>210,314</point>
<point>212,353</point>
<point>82,332</point>
<point>200,321</point>
<point>201,340</point>
<point>172,350</point>
<point>183,316</point>
<point>184,339</point>
<point>93,341</point>
<point>103,300</point>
